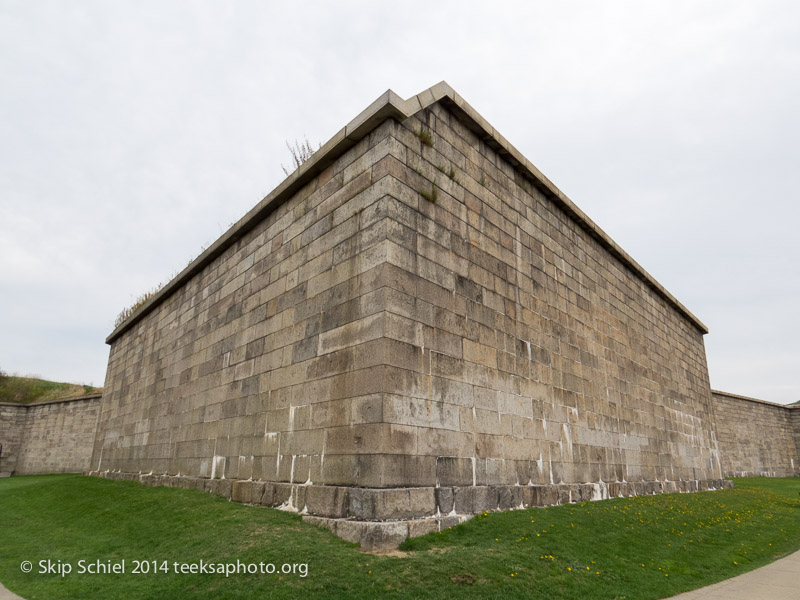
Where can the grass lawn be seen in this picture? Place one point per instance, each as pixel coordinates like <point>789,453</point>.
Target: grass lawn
<point>645,547</point>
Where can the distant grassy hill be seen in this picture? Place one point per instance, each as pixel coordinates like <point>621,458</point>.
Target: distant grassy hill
<point>25,390</point>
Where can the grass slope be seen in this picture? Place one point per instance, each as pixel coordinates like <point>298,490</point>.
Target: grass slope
<point>645,547</point>
<point>24,390</point>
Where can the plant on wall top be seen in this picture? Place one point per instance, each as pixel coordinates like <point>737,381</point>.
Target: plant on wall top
<point>301,152</point>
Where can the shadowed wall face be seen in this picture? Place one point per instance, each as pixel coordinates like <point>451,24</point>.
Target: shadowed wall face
<point>12,427</point>
<point>416,315</point>
<point>756,438</point>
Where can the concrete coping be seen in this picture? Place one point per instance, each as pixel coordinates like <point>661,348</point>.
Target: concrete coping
<point>738,397</point>
<point>56,401</point>
<point>389,105</point>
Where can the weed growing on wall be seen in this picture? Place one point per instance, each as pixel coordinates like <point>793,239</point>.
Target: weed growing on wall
<point>129,310</point>
<point>431,196</point>
<point>425,136</point>
<point>301,152</point>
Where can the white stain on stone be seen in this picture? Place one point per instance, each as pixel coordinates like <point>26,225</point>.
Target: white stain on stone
<point>278,458</point>
<point>218,466</point>
<point>474,471</point>
<point>599,490</point>
<point>288,506</point>
<point>567,439</point>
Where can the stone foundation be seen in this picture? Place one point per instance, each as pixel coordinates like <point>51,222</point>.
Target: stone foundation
<point>380,519</point>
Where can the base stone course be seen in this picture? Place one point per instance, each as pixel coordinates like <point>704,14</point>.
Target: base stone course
<point>380,519</point>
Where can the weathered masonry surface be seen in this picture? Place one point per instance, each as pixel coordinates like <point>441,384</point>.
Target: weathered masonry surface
<point>757,437</point>
<point>416,323</point>
<point>48,437</point>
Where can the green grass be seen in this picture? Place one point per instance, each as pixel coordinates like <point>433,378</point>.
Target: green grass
<point>24,390</point>
<point>645,547</point>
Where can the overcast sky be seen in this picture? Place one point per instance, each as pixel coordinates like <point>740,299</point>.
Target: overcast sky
<point>132,134</point>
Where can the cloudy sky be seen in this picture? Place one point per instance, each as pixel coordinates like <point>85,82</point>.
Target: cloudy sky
<point>132,134</point>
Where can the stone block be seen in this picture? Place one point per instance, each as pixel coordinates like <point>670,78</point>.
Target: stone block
<point>509,497</point>
<point>219,487</point>
<point>464,500</point>
<point>417,528</point>
<point>669,487</point>
<point>268,495</point>
<point>242,491</point>
<point>484,498</point>
<point>452,471</point>
<point>448,522</point>
<point>372,536</point>
<point>327,501</point>
<point>281,493</point>
<point>404,503</point>
<point>564,494</point>
<point>444,500</point>
<point>299,497</point>
<point>257,493</point>
<point>544,495</point>
<point>585,492</point>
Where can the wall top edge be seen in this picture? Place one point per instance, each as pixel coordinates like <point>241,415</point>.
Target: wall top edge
<point>389,105</point>
<point>56,401</point>
<point>749,399</point>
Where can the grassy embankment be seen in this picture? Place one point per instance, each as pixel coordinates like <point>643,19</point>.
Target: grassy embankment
<point>645,547</point>
<point>24,390</point>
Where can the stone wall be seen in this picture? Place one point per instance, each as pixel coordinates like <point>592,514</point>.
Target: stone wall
<point>12,425</point>
<point>795,420</point>
<point>416,307</point>
<point>756,437</point>
<point>267,360</point>
<point>521,349</point>
<point>48,437</point>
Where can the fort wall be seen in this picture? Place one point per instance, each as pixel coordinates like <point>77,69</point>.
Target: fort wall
<point>12,427</point>
<point>756,437</point>
<point>417,323</point>
<point>48,437</point>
